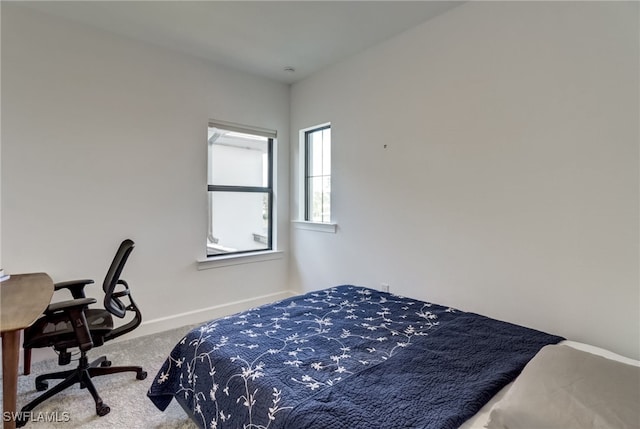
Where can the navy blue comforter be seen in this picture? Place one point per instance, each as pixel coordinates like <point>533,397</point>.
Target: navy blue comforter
<point>344,358</point>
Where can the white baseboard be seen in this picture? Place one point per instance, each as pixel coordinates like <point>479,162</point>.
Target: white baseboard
<point>203,315</point>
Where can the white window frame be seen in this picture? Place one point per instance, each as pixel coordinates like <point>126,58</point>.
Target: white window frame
<point>214,261</point>
<point>302,223</point>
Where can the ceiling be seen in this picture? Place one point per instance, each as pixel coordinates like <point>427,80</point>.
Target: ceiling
<point>260,37</point>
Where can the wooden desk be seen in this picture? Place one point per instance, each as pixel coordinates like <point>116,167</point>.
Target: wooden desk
<point>23,298</point>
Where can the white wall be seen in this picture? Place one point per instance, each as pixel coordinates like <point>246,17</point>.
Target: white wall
<point>104,138</point>
<point>509,185</point>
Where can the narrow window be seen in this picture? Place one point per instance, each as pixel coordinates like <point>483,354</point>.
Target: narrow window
<point>317,175</point>
<point>240,186</point>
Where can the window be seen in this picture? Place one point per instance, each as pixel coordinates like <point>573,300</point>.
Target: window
<point>240,185</point>
<point>317,174</point>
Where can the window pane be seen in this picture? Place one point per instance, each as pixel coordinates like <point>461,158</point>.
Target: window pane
<point>319,199</point>
<point>326,199</point>
<point>315,154</point>
<point>318,175</point>
<point>326,151</point>
<point>237,159</point>
<point>240,222</point>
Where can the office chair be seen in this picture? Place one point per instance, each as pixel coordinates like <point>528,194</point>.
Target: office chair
<point>72,324</point>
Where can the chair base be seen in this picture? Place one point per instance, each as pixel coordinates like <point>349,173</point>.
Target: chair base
<point>82,374</point>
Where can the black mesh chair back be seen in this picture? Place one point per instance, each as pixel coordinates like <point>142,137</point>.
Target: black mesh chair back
<point>112,301</point>
<point>116,288</point>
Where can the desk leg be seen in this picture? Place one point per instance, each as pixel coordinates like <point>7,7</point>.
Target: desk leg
<point>10,357</point>
<point>26,362</point>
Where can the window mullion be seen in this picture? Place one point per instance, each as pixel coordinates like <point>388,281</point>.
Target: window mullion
<point>231,188</point>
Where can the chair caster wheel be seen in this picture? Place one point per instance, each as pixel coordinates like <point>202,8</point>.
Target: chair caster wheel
<point>102,409</point>
<point>141,375</point>
<point>41,386</point>
<point>105,363</point>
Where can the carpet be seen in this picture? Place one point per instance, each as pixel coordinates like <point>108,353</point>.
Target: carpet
<point>127,397</point>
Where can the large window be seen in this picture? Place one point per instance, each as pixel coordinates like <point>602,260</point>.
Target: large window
<point>317,176</point>
<point>240,185</point>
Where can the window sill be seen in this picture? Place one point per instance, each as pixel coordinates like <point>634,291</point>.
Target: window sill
<point>245,258</point>
<point>315,226</point>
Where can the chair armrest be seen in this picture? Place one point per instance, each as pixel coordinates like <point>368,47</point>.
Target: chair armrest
<point>76,287</point>
<point>74,311</point>
<point>72,303</point>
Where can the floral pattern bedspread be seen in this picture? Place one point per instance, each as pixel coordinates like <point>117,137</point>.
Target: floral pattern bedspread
<point>338,358</point>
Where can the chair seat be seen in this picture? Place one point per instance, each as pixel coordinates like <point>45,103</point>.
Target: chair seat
<point>56,331</point>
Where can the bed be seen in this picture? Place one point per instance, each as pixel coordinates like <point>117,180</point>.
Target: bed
<point>350,357</point>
